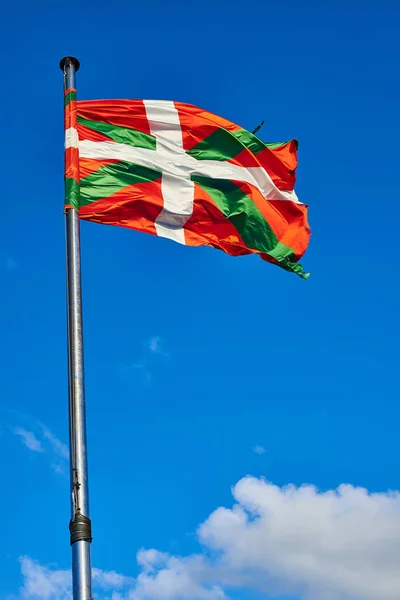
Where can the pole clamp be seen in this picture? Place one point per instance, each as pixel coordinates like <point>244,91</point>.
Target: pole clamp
<point>80,529</point>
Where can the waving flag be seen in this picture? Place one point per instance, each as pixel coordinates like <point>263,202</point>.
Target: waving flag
<point>177,171</point>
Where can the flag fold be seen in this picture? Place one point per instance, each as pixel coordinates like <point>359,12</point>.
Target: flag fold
<point>177,171</point>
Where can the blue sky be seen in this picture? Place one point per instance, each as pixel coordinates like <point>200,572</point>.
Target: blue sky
<point>207,373</point>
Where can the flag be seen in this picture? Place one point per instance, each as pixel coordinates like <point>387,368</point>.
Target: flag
<point>177,171</point>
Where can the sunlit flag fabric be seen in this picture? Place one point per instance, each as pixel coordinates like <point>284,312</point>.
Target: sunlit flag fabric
<point>177,171</point>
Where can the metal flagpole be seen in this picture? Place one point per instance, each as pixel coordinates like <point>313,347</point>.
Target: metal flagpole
<point>80,524</point>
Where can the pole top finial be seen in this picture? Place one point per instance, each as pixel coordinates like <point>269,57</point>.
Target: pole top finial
<point>70,60</point>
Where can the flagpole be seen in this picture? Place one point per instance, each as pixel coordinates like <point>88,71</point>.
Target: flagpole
<point>80,524</point>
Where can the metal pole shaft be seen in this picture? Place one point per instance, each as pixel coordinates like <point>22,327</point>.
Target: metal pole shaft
<point>80,525</point>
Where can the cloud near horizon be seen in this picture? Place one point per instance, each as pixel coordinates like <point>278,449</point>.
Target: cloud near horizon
<point>341,544</point>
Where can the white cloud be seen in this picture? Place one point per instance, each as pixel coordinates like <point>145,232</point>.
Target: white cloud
<point>142,370</point>
<point>42,583</point>
<point>155,345</point>
<point>111,580</point>
<point>341,544</point>
<point>259,449</point>
<point>166,577</point>
<point>29,439</point>
<point>43,440</point>
<point>57,445</point>
<point>57,450</point>
<point>58,468</point>
<point>334,545</point>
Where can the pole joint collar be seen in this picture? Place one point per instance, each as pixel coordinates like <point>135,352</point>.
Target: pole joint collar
<point>80,528</point>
